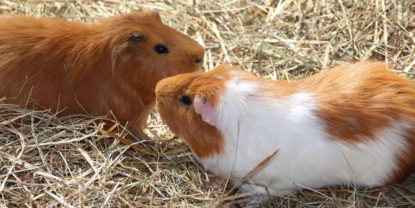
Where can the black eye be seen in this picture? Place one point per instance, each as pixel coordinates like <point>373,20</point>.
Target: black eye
<point>161,49</point>
<point>185,100</point>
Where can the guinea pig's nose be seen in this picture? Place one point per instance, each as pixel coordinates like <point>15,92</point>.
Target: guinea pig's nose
<point>198,60</point>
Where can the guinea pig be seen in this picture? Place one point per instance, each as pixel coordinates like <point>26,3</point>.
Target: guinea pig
<point>108,68</point>
<point>353,124</point>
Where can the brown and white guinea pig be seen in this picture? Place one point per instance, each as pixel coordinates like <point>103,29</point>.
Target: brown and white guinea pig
<point>353,124</point>
<point>112,66</point>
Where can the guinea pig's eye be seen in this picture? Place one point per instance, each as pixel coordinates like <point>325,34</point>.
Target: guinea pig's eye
<point>186,100</point>
<point>161,49</point>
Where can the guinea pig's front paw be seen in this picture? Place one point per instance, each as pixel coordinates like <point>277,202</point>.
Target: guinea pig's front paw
<point>216,181</point>
<point>251,195</point>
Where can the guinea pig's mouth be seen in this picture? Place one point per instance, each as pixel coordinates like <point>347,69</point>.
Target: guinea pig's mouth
<point>199,68</point>
<point>159,105</point>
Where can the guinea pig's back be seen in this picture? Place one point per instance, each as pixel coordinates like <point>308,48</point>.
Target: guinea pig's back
<point>366,102</point>
<point>32,54</point>
<point>366,91</point>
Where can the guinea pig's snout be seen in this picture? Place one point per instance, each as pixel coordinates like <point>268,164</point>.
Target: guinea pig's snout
<point>159,88</point>
<point>196,56</point>
<point>164,88</point>
<point>198,60</point>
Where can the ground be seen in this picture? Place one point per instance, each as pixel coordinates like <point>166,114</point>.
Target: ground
<point>52,161</point>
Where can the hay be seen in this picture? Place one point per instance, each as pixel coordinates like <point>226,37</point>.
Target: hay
<point>50,161</point>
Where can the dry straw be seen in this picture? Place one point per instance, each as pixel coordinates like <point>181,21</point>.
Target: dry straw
<point>50,161</point>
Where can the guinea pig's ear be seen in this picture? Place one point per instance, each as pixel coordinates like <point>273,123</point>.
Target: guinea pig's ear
<point>126,47</point>
<point>135,37</point>
<point>207,111</point>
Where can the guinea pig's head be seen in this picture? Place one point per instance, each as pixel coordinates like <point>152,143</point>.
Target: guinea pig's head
<point>146,50</point>
<point>192,105</point>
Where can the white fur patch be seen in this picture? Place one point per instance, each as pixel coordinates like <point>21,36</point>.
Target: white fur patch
<point>254,127</point>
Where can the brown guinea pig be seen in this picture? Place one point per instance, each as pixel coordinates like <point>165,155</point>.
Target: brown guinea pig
<point>109,67</point>
<point>353,124</point>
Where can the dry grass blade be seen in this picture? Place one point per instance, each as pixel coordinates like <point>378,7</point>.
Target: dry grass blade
<point>251,173</point>
<point>128,142</point>
<point>58,198</point>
